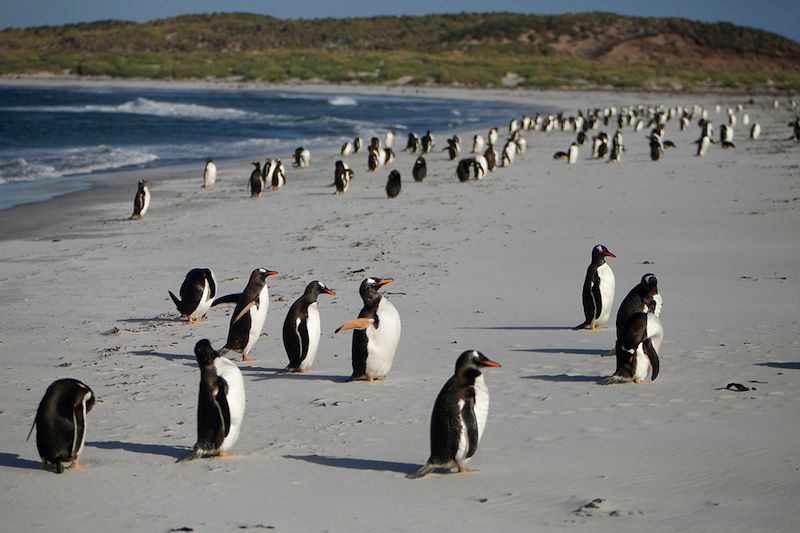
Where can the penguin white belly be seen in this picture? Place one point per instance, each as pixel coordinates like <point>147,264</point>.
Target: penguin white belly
<point>210,176</point>
<point>643,366</point>
<point>228,370</point>
<point>257,319</point>
<point>463,438</point>
<point>204,304</point>
<point>655,331</point>
<point>146,201</point>
<point>607,284</point>
<point>659,304</point>
<point>481,404</point>
<point>78,447</point>
<point>573,154</point>
<point>382,341</point>
<point>314,330</point>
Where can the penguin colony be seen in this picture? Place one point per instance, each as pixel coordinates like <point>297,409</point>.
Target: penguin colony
<point>460,411</point>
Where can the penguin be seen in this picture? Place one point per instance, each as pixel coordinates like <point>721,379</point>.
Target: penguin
<point>420,169</point>
<point>267,171</point>
<point>376,333</point>
<point>725,134</point>
<point>643,298</point>
<point>197,294</point>
<point>755,130</point>
<point>453,147</point>
<point>509,153</point>
<point>278,179</point>
<point>141,201</point>
<point>491,158</point>
<point>393,184</point>
<point>479,167</point>
<point>209,174</point>
<point>220,404</point>
<point>795,125</point>
<point>388,139</point>
<point>656,150</point>
<point>302,157</point>
<point>256,183</point>
<point>347,149</point>
<point>250,313</point>
<point>598,290</point>
<point>374,160</point>
<point>581,138</point>
<point>637,350</point>
<point>301,328</point>
<point>493,135</point>
<point>463,169</point>
<point>427,142</point>
<point>342,176</point>
<point>477,143</point>
<point>560,156</point>
<point>356,145</point>
<point>60,423</point>
<point>521,145</point>
<point>615,156</point>
<point>413,144</point>
<point>702,145</point>
<point>572,154</point>
<point>388,156</point>
<point>459,415</point>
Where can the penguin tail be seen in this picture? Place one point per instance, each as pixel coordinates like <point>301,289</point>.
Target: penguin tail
<point>194,453</point>
<point>584,325</point>
<point>32,426</point>
<point>426,469</point>
<point>615,379</point>
<point>175,300</point>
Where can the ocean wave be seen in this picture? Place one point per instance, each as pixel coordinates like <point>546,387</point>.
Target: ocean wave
<point>342,101</point>
<point>71,161</point>
<point>146,106</point>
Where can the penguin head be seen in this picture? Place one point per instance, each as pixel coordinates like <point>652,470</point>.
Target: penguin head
<point>315,288</point>
<point>599,253</point>
<point>144,183</point>
<point>420,162</point>
<point>82,391</point>
<point>473,359</point>
<point>205,353</point>
<point>394,175</point>
<point>650,283</point>
<point>209,160</point>
<point>260,275</point>
<point>369,288</point>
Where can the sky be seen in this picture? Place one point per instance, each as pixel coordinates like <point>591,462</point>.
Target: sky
<point>778,16</point>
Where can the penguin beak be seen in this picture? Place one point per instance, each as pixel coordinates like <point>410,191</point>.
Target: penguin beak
<point>330,291</point>
<point>271,273</point>
<point>608,254</point>
<point>490,363</point>
<point>385,282</point>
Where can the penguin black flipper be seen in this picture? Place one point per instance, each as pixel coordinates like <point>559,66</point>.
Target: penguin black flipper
<point>590,285</point>
<point>227,299</point>
<point>359,354</point>
<point>445,426</point>
<point>302,332</point>
<point>597,299</point>
<point>651,353</point>
<point>295,339</point>
<point>222,402</point>
<point>470,423</point>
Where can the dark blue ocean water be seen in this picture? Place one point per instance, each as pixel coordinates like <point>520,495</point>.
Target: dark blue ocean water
<point>50,137</point>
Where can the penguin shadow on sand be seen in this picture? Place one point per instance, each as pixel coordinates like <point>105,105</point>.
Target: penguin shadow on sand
<point>158,320</point>
<point>520,328</point>
<point>785,366</point>
<point>564,378</point>
<point>265,374</point>
<point>167,356</point>
<point>565,351</point>
<point>357,464</point>
<point>12,460</point>
<point>150,449</point>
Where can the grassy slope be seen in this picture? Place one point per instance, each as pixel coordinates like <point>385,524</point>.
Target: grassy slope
<point>577,50</point>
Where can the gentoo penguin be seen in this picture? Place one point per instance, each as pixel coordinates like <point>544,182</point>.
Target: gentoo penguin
<point>249,315</point>
<point>725,134</point>
<point>795,125</point>
<point>267,171</point>
<point>301,329</point>
<point>572,154</point>
<point>256,183</point>
<point>342,176</point>
<point>493,135</point>
<point>302,157</point>
<point>656,150</point>
<point>141,201</point>
<point>755,130</point>
<point>637,350</point>
<point>427,142</point>
<point>453,147</point>
<point>374,160</point>
<point>388,156</point>
<point>197,294</point>
<point>376,333</point>
<point>356,145</point>
<point>393,184</point>
<point>220,404</point>
<point>420,169</point>
<point>459,415</point>
<point>491,158</point>
<point>598,290</point>
<point>209,174</point>
<point>388,139</point>
<point>643,298</point>
<point>278,179</point>
<point>463,169</point>
<point>479,167</point>
<point>509,153</point>
<point>61,423</point>
<point>702,145</point>
<point>477,143</point>
<point>413,144</point>
<point>347,149</point>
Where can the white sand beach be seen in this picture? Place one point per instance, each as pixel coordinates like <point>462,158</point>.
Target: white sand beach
<point>495,265</point>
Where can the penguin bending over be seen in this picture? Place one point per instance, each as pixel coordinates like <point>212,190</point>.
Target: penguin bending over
<point>142,200</point>
<point>250,313</point>
<point>220,404</point>
<point>209,174</point>
<point>637,350</point>
<point>459,415</point>
<point>420,169</point>
<point>376,333</point>
<point>301,329</point>
<point>598,290</point>
<point>60,423</point>
<point>197,294</point>
<point>463,169</point>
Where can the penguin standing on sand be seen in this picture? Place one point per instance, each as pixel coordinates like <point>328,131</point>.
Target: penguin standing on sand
<point>209,174</point>
<point>278,179</point>
<point>795,125</point>
<point>491,158</point>
<point>427,142</point>
<point>755,130</point>
<point>463,169</point>
<point>256,183</point>
<point>347,149</point>
<point>420,169</point>
<point>249,315</point>
<point>342,176</point>
<point>376,333</point>
<point>220,404</point>
<point>637,350</point>
<point>61,423</point>
<point>477,143</point>
<point>197,294</point>
<point>141,201</point>
<point>301,329</point>
<point>598,290</point>
<point>393,184</point>
<point>459,415</point>
<point>479,167</point>
<point>413,144</point>
<point>302,157</point>
<point>643,298</point>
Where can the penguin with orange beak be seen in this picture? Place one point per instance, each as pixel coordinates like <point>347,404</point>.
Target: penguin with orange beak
<point>598,290</point>
<point>301,329</point>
